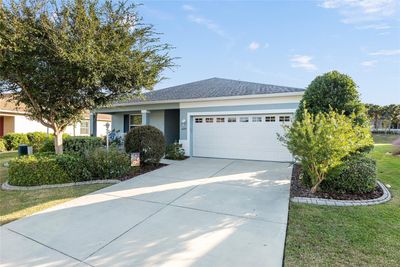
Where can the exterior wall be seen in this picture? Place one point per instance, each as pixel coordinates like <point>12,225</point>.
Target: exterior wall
<point>117,122</point>
<point>25,125</point>
<point>157,119</point>
<point>8,124</point>
<point>172,123</point>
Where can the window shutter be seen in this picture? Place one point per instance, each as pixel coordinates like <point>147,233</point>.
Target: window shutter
<point>126,123</point>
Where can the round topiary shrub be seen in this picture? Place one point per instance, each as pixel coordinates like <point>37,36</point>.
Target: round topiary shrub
<point>147,140</point>
<point>357,174</point>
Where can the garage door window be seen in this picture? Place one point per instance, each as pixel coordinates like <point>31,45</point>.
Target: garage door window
<point>284,118</point>
<point>232,119</point>
<point>198,120</point>
<point>220,119</point>
<point>269,118</point>
<point>209,120</point>
<point>244,119</point>
<point>256,119</point>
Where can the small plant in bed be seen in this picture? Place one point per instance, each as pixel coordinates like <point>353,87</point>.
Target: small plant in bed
<point>175,151</point>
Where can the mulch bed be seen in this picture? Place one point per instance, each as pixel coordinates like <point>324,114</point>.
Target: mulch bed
<point>297,189</point>
<point>142,170</point>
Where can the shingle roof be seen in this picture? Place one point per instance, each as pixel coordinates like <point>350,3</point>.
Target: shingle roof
<point>214,87</point>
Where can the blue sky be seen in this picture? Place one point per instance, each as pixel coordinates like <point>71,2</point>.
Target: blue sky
<point>283,42</point>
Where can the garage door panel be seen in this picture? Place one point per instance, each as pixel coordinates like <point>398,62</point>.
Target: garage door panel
<point>242,140</point>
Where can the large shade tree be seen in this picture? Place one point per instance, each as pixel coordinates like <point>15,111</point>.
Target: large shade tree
<point>59,58</point>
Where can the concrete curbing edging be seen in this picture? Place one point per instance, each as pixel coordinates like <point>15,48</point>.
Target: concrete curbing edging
<point>7,186</point>
<point>345,203</point>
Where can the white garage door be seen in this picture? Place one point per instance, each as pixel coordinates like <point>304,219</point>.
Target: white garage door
<point>252,137</point>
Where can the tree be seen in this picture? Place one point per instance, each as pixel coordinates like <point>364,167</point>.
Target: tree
<point>59,58</point>
<point>321,141</point>
<point>374,113</point>
<point>333,90</point>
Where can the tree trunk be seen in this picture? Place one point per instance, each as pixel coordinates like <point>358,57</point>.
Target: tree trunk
<point>315,187</point>
<point>58,142</point>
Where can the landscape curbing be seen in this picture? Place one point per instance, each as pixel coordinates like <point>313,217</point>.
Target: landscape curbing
<point>7,186</point>
<point>386,196</point>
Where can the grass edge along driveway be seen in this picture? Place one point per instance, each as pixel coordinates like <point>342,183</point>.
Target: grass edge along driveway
<point>349,236</point>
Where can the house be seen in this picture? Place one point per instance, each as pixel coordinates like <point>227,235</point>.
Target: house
<point>14,119</point>
<point>215,117</point>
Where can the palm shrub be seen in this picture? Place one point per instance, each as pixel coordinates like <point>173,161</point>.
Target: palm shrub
<point>148,141</point>
<point>321,141</point>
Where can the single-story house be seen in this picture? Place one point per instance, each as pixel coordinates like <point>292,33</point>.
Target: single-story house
<point>216,117</point>
<point>15,119</point>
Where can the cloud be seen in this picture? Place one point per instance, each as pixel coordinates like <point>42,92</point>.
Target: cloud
<point>393,52</point>
<point>254,45</point>
<point>362,11</point>
<point>303,62</point>
<point>188,8</point>
<point>381,26</point>
<point>209,24</point>
<point>266,45</point>
<point>369,63</point>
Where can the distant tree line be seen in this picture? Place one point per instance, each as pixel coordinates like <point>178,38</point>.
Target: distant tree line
<point>384,117</point>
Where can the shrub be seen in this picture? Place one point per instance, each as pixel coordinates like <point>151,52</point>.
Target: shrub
<point>2,145</point>
<point>31,170</point>
<point>81,144</point>
<point>333,90</point>
<point>147,140</point>
<point>357,174</point>
<point>74,166</point>
<point>37,140</point>
<point>107,165</point>
<point>13,140</point>
<point>174,151</point>
<point>320,142</point>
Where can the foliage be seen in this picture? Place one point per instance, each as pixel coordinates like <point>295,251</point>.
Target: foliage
<point>174,151</point>
<point>321,141</point>
<point>48,144</point>
<point>357,174</point>
<point>74,167</point>
<point>60,58</point>
<point>81,144</point>
<point>389,115</point>
<point>37,140</point>
<point>147,140</point>
<point>13,140</point>
<point>114,137</point>
<point>2,145</point>
<point>333,90</point>
<point>103,164</point>
<point>31,170</point>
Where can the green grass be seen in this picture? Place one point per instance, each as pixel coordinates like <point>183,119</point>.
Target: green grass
<point>17,204</point>
<point>385,138</point>
<point>349,236</point>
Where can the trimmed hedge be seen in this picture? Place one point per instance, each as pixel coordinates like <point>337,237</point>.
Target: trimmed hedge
<point>107,165</point>
<point>2,145</point>
<point>31,170</point>
<point>149,141</point>
<point>13,140</point>
<point>357,174</point>
<point>37,140</point>
<point>48,168</point>
<point>81,144</point>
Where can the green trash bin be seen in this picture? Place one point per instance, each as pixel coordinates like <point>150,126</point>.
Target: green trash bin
<point>22,150</point>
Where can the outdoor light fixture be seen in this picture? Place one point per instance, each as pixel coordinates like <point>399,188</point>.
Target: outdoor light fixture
<point>183,124</point>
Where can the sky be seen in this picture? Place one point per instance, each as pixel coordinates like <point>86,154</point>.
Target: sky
<point>282,42</point>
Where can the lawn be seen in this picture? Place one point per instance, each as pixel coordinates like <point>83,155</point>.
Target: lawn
<point>17,204</point>
<point>385,138</point>
<point>349,236</point>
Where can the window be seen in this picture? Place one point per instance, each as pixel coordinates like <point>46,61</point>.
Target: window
<point>135,120</point>
<point>284,118</point>
<point>220,119</point>
<point>256,119</point>
<point>244,119</point>
<point>269,118</point>
<point>209,120</point>
<point>198,120</point>
<point>84,129</point>
<point>232,119</point>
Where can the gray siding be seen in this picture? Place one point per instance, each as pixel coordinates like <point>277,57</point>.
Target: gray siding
<point>157,119</point>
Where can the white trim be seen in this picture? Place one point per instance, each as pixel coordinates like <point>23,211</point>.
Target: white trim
<point>215,113</point>
<point>205,99</point>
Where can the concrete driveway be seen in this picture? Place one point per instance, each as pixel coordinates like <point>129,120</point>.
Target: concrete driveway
<point>197,212</point>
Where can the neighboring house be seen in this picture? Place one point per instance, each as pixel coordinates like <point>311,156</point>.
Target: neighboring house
<point>14,119</point>
<point>215,117</point>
